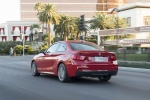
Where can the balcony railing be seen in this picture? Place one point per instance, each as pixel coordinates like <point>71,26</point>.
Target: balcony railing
<point>134,41</point>
<point>2,33</point>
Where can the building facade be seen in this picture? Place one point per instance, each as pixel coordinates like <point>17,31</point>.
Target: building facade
<point>138,18</point>
<point>3,32</point>
<point>69,7</point>
<point>12,30</point>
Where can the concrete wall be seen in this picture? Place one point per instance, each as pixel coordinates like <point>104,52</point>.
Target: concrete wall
<point>136,14</point>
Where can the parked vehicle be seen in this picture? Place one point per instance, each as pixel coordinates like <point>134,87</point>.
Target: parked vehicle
<point>67,59</point>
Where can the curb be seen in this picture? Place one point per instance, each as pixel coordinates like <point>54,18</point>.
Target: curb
<point>131,69</point>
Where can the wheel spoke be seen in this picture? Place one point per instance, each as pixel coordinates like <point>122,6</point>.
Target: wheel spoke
<point>62,73</point>
<point>34,69</point>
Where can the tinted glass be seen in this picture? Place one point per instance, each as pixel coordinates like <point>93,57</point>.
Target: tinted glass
<point>53,48</point>
<point>85,46</point>
<point>62,47</point>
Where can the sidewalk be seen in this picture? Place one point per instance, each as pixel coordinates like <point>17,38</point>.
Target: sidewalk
<point>131,69</point>
<point>133,61</point>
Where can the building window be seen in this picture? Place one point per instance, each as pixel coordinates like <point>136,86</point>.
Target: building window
<point>147,20</point>
<point>129,21</point>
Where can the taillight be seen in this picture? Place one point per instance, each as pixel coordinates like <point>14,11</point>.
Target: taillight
<point>78,57</point>
<point>113,57</point>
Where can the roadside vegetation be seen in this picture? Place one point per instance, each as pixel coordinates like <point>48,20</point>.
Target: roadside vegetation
<point>134,64</point>
<point>67,27</point>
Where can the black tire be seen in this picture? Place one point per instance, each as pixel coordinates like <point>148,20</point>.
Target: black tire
<point>104,78</point>
<point>34,69</point>
<point>62,73</point>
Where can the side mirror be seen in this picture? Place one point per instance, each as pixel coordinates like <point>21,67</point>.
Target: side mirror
<point>42,51</point>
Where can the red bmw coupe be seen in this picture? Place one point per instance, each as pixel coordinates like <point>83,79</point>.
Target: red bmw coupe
<point>67,59</point>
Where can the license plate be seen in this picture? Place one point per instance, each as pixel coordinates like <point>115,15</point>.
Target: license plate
<point>99,59</point>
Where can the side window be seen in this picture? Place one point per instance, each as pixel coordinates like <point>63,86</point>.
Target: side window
<point>62,47</point>
<point>53,48</point>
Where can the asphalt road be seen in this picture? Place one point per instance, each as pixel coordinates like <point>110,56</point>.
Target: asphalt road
<point>17,83</point>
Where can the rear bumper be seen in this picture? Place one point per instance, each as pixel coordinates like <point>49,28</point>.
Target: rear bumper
<point>96,73</point>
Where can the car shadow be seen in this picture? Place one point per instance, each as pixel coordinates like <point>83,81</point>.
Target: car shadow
<point>47,76</point>
<point>87,80</point>
<point>82,80</point>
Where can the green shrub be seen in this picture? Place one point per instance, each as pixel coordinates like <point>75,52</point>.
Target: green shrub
<point>55,39</point>
<point>92,40</point>
<point>134,64</point>
<point>111,47</point>
<point>5,46</point>
<point>18,49</point>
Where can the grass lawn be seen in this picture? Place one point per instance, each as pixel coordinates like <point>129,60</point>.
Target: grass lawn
<point>133,57</point>
<point>134,64</point>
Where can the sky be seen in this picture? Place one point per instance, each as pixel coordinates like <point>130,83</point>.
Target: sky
<point>9,10</point>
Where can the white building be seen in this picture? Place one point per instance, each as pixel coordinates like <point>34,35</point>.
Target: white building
<point>137,14</point>
<point>138,18</point>
<point>11,30</point>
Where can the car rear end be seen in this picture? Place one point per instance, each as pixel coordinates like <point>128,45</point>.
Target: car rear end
<point>91,60</point>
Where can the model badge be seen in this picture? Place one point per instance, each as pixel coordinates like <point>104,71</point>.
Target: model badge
<point>99,54</point>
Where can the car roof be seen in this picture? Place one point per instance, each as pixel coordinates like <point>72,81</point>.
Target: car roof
<point>75,41</point>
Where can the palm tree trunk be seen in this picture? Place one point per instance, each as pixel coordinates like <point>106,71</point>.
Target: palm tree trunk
<point>101,41</point>
<point>46,27</point>
<point>49,35</point>
<point>77,36</point>
<point>65,37</point>
<point>85,35</point>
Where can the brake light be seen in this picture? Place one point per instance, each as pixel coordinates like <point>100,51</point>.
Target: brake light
<point>78,57</point>
<point>113,57</point>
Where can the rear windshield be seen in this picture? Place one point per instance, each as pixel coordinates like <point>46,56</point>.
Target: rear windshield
<point>85,46</point>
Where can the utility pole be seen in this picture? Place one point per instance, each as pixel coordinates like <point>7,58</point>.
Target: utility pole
<point>117,25</point>
<point>22,36</point>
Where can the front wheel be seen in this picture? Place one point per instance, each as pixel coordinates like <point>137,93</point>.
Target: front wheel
<point>34,69</point>
<point>62,73</point>
<point>104,78</point>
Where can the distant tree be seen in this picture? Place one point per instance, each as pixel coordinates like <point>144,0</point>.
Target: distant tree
<point>66,26</point>
<point>99,21</point>
<point>116,22</point>
<point>77,28</point>
<point>38,7</point>
<point>49,16</point>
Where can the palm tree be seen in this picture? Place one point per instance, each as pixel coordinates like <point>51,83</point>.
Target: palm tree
<point>69,27</point>
<point>77,28</point>
<point>34,28</point>
<point>65,27</point>
<point>116,22</point>
<point>99,21</point>
<point>49,16</point>
<point>38,7</point>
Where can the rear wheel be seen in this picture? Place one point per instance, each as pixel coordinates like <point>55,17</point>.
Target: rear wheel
<point>62,73</point>
<point>34,69</point>
<point>104,78</point>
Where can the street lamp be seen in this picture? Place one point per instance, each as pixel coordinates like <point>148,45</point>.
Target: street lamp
<point>117,25</point>
<point>22,36</point>
<point>122,43</point>
<point>40,31</point>
<point>123,49</point>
